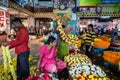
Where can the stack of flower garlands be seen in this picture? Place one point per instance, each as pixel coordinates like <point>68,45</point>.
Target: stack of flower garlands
<point>102,42</point>
<point>81,68</point>
<point>89,77</point>
<point>87,72</point>
<point>76,58</point>
<point>112,57</point>
<point>7,65</point>
<point>7,70</point>
<point>69,38</point>
<point>44,77</point>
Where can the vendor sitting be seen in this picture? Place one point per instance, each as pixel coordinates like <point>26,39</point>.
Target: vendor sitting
<point>47,60</point>
<point>114,43</point>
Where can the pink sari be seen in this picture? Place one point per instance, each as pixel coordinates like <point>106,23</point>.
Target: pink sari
<point>48,62</point>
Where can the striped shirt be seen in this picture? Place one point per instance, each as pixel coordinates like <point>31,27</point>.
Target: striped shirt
<point>89,39</point>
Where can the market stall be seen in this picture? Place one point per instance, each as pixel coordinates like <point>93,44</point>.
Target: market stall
<point>70,43</point>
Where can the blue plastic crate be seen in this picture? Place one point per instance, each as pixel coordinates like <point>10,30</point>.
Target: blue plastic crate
<point>98,50</point>
<point>111,66</point>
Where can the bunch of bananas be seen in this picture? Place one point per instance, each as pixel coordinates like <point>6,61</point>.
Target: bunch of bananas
<point>89,77</point>
<point>73,59</point>
<point>71,39</point>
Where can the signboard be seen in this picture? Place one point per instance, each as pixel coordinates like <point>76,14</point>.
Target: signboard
<point>1,17</point>
<point>98,10</point>
<point>7,18</point>
<point>64,4</point>
<point>4,20</point>
<point>86,9</point>
<point>89,2</point>
<point>1,13</point>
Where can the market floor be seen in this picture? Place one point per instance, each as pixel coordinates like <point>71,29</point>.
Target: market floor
<point>34,48</point>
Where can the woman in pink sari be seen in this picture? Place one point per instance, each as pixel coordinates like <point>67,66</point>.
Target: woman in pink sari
<point>47,61</point>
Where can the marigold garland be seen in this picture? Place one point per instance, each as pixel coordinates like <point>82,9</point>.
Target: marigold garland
<point>71,39</point>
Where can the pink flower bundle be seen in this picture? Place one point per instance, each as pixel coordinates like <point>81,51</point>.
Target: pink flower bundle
<point>33,78</point>
<point>44,77</point>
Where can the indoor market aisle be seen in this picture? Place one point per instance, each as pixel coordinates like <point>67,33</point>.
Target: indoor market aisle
<point>34,48</point>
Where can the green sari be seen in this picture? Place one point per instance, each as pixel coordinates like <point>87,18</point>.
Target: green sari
<point>62,50</point>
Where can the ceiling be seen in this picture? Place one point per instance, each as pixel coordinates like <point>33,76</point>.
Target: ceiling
<point>17,13</point>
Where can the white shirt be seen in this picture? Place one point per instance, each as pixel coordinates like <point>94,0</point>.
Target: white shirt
<point>12,31</point>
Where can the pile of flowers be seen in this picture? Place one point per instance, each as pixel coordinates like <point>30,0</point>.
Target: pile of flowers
<point>9,70</point>
<point>75,58</point>
<point>89,77</point>
<point>42,76</point>
<point>86,69</point>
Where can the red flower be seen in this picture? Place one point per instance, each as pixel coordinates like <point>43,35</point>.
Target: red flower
<point>46,77</point>
<point>33,78</point>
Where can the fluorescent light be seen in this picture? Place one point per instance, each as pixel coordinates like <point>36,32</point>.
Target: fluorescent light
<point>105,17</point>
<point>4,8</point>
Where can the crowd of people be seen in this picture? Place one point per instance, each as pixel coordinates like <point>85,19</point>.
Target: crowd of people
<point>38,31</point>
<point>99,30</point>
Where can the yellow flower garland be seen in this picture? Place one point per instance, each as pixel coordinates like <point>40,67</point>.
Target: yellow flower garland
<point>7,75</point>
<point>7,61</point>
<point>4,58</point>
<point>71,39</point>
